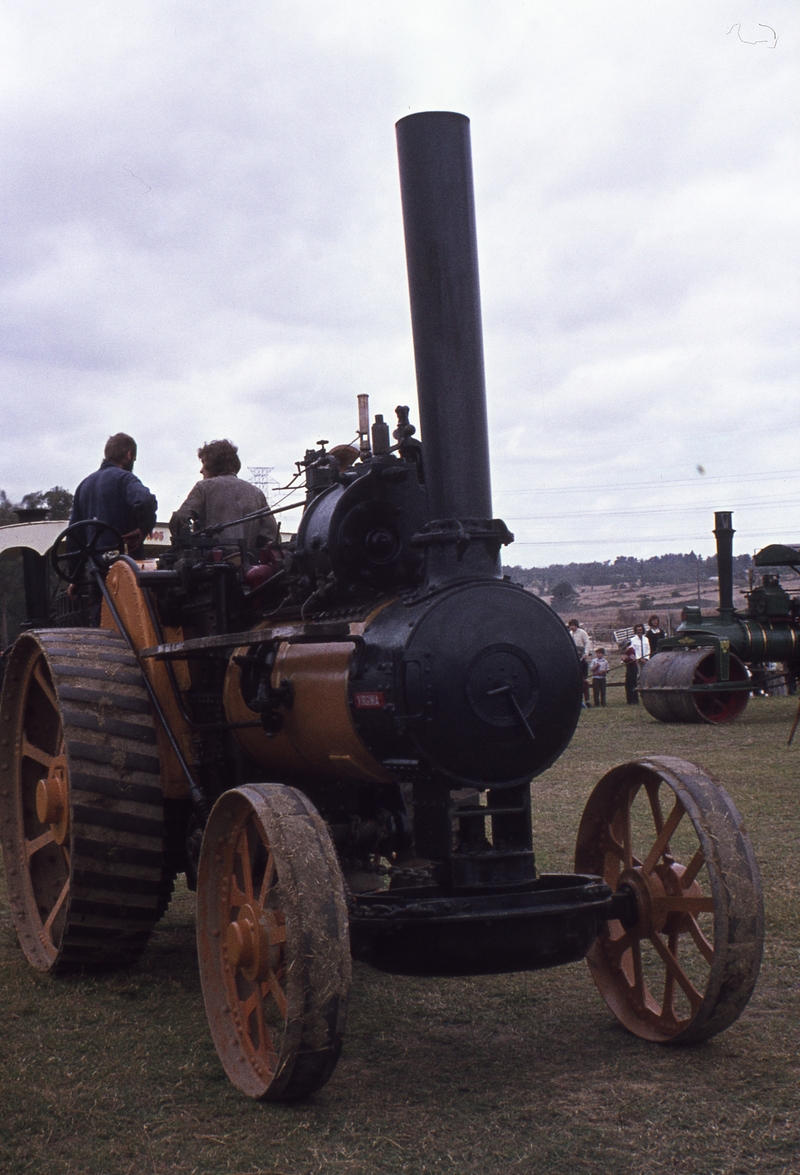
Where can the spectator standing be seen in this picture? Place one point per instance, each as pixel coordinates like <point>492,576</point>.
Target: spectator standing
<point>582,643</point>
<point>598,669</point>
<point>637,652</point>
<point>654,634</point>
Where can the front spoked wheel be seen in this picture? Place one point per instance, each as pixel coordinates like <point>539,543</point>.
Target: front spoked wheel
<point>682,966</point>
<point>273,941</point>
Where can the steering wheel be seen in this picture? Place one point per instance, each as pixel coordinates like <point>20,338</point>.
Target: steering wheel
<point>70,565</point>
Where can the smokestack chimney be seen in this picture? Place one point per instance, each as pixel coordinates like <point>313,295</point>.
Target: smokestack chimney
<point>442,257</point>
<point>724,532</point>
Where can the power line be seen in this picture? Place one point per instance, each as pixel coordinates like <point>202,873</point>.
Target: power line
<point>738,478</point>
<point>600,541</point>
<point>751,504</point>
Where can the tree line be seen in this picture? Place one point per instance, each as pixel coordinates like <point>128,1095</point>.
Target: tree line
<point>626,572</point>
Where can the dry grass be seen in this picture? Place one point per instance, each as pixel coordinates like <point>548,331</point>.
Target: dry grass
<point>118,1076</point>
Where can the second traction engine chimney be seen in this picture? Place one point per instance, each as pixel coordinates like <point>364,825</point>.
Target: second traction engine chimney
<point>442,258</point>
<point>724,532</point>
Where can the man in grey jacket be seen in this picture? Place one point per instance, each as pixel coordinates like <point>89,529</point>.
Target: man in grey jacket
<point>222,496</point>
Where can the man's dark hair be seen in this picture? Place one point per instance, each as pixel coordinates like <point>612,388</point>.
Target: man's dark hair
<point>118,447</point>
<point>575,622</point>
<point>219,458</point>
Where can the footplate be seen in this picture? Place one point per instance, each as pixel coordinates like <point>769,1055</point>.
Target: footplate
<point>552,921</point>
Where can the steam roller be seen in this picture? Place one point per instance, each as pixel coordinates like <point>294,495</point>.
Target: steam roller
<point>705,673</point>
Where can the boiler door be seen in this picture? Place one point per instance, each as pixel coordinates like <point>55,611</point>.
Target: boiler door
<point>492,684</point>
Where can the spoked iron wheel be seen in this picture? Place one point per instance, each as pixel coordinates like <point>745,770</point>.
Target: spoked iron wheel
<point>273,941</point>
<point>81,820</point>
<point>682,966</point>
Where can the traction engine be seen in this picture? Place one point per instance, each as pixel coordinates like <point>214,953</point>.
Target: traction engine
<point>336,744</point>
<point>704,673</point>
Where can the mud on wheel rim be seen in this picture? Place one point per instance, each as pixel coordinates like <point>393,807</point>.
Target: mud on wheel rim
<point>684,965</point>
<point>272,941</point>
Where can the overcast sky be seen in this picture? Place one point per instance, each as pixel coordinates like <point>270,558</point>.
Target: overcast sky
<point>202,238</point>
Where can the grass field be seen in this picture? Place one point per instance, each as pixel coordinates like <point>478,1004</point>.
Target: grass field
<point>526,1073</point>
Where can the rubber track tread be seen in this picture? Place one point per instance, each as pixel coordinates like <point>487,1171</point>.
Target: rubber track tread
<point>108,911</point>
<point>129,885</point>
<point>117,804</point>
<point>107,674</point>
<point>127,760</point>
<point>128,662</point>
<point>135,704</point>
<point>87,816</point>
<point>141,793</point>
<point>89,721</point>
<point>99,851</point>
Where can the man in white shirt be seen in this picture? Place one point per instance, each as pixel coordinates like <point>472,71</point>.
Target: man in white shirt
<point>640,644</point>
<point>584,646</point>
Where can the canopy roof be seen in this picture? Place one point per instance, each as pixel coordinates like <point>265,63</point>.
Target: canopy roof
<point>777,555</point>
<point>40,536</point>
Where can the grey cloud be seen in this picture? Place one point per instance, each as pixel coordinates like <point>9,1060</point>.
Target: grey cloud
<point>205,232</point>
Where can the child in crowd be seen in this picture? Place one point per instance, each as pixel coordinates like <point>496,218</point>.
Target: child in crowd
<point>599,670</point>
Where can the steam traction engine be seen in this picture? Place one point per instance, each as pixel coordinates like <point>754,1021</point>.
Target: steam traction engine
<point>701,674</point>
<point>337,749</point>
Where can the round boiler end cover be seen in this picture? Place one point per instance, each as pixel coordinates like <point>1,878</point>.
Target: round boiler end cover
<point>499,684</point>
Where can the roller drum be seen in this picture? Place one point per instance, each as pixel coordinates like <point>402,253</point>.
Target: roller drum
<point>666,687</point>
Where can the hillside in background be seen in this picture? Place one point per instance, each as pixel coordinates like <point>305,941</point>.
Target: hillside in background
<point>617,594</point>
<point>627,572</point>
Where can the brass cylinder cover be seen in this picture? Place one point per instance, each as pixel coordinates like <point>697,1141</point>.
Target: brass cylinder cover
<point>318,736</point>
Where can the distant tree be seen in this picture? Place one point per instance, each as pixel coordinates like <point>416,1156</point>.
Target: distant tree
<point>645,602</point>
<point>564,596</point>
<point>57,500</point>
<point>7,514</point>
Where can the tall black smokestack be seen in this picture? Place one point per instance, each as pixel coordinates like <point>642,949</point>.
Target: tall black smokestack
<point>724,532</point>
<point>442,257</point>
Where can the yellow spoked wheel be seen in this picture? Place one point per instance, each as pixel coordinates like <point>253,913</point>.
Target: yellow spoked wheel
<point>273,941</point>
<point>682,966</point>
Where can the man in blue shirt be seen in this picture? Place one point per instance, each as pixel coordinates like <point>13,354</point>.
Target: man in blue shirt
<point>113,494</point>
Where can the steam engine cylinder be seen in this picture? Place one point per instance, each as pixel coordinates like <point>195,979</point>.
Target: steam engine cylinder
<point>475,684</point>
